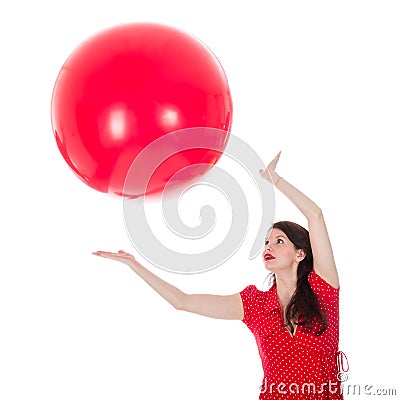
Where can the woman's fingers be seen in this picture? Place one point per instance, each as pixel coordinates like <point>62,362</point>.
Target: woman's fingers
<point>99,253</point>
<point>270,170</point>
<point>106,254</point>
<point>272,164</point>
<point>120,256</point>
<point>265,174</point>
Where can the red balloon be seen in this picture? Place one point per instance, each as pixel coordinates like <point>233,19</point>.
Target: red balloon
<point>125,87</point>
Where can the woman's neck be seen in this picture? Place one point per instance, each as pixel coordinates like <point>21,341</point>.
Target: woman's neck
<point>285,286</point>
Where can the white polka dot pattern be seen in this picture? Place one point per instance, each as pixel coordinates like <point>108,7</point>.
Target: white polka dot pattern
<point>300,367</point>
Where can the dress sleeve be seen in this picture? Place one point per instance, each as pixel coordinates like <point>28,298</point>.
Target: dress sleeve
<point>322,288</point>
<point>249,299</point>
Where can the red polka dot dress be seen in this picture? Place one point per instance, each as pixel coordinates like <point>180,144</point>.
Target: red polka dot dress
<point>302,366</point>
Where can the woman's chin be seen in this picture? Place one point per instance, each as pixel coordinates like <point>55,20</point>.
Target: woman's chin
<point>269,267</point>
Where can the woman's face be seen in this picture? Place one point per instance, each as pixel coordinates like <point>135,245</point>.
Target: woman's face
<point>279,252</point>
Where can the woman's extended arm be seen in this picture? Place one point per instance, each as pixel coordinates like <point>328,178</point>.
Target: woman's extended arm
<point>324,262</point>
<point>213,306</point>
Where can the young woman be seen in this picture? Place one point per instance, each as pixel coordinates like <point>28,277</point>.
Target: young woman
<point>296,321</point>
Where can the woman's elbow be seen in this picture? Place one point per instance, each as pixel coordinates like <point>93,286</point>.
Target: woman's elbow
<point>316,213</point>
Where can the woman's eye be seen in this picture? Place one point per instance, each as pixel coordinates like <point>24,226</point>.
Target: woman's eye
<point>279,241</point>
<point>266,242</point>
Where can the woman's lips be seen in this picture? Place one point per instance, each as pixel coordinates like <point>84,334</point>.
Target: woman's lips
<point>268,257</point>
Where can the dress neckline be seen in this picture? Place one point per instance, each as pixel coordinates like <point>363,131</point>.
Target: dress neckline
<point>278,306</point>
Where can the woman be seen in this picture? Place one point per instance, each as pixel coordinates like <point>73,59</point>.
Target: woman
<point>295,322</point>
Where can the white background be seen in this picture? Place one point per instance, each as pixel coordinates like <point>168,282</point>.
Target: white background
<point>318,80</point>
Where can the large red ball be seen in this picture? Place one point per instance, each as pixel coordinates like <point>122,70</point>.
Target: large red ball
<point>125,87</point>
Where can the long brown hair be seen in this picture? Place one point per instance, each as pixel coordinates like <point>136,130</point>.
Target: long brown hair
<point>304,307</point>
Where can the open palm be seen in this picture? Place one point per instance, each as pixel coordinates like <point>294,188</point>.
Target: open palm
<point>269,173</point>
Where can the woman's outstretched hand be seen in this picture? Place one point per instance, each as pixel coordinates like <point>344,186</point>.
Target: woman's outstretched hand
<point>121,256</point>
<point>269,172</point>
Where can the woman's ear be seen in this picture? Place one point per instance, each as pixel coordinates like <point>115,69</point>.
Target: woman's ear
<point>301,255</point>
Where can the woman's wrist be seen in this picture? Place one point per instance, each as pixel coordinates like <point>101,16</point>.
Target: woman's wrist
<point>135,265</point>
<point>276,179</point>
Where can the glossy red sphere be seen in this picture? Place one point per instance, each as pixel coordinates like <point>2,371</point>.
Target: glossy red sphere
<point>125,87</point>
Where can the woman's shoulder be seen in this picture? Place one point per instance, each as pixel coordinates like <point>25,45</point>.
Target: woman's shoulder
<point>320,286</point>
<point>251,294</point>
<point>257,303</point>
<point>253,290</point>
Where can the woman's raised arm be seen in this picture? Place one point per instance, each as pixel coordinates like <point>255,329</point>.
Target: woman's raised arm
<point>208,305</point>
<point>324,262</point>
